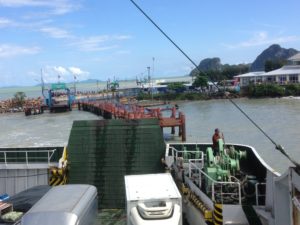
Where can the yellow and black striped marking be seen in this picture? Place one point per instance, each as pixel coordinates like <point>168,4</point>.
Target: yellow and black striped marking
<point>184,189</point>
<point>57,177</point>
<point>218,214</point>
<point>200,205</point>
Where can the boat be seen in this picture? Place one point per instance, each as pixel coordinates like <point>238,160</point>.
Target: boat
<point>234,187</point>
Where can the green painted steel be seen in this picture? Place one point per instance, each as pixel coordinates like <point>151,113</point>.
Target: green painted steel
<point>101,152</point>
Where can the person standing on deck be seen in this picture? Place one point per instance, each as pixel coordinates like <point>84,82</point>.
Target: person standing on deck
<point>215,138</point>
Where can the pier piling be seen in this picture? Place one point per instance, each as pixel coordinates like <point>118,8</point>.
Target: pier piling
<point>109,110</point>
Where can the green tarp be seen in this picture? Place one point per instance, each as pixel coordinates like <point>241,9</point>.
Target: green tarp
<point>101,152</point>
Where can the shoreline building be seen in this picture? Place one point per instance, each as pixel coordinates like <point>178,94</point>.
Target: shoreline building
<point>287,74</point>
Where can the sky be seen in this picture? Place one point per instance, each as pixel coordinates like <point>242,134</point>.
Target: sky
<point>110,39</point>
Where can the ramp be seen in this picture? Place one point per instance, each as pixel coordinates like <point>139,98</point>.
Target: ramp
<point>101,152</point>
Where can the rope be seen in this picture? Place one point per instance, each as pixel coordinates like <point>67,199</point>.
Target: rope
<point>277,146</point>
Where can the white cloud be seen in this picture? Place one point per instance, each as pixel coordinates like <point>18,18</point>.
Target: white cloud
<point>262,38</point>
<point>99,43</point>
<point>93,43</point>
<point>76,70</point>
<point>57,7</point>
<point>52,74</point>
<point>60,70</point>
<point>4,22</point>
<point>87,44</point>
<point>121,37</point>
<point>7,50</point>
<point>55,32</point>
<point>123,52</point>
<point>79,73</point>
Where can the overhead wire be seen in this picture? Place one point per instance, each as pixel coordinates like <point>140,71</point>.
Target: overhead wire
<point>277,146</point>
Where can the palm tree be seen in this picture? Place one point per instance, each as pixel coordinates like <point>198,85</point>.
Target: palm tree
<point>19,98</point>
<point>200,81</point>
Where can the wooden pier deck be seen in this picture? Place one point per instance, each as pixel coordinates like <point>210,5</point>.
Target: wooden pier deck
<point>110,110</point>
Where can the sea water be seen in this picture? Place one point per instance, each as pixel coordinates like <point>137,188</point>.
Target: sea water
<point>278,117</point>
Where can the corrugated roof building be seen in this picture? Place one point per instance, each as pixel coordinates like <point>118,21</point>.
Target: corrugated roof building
<point>284,75</point>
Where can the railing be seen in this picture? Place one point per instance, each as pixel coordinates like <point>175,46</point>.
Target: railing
<point>195,168</point>
<point>195,172</point>
<point>221,185</point>
<point>186,155</point>
<point>26,156</point>
<point>257,194</point>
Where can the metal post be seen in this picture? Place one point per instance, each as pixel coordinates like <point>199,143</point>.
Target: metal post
<point>152,76</point>
<point>240,199</point>
<point>200,176</point>
<point>213,191</point>
<point>5,158</point>
<point>149,78</point>
<point>153,66</point>
<point>190,169</point>
<point>183,135</point>
<point>150,83</point>
<point>74,85</point>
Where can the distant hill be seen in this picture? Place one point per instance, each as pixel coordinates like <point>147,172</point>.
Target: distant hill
<point>210,64</point>
<point>90,81</point>
<point>273,53</point>
<point>215,70</point>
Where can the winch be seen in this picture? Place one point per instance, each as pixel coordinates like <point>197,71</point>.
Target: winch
<point>224,165</point>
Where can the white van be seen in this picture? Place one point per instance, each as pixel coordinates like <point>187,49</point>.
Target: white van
<point>65,205</point>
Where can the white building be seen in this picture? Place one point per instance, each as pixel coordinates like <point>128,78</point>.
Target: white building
<point>285,75</point>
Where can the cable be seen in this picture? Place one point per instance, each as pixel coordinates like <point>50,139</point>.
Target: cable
<point>278,147</point>
<point>165,35</point>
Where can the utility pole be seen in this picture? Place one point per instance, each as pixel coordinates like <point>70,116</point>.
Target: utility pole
<point>74,84</point>
<point>150,83</point>
<point>153,66</point>
<point>149,79</point>
<point>192,74</point>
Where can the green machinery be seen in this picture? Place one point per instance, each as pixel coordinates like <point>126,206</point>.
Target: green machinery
<point>223,166</point>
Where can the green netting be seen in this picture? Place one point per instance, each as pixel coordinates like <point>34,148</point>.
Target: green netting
<point>101,152</point>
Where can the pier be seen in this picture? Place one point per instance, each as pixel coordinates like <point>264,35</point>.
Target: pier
<point>110,110</point>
